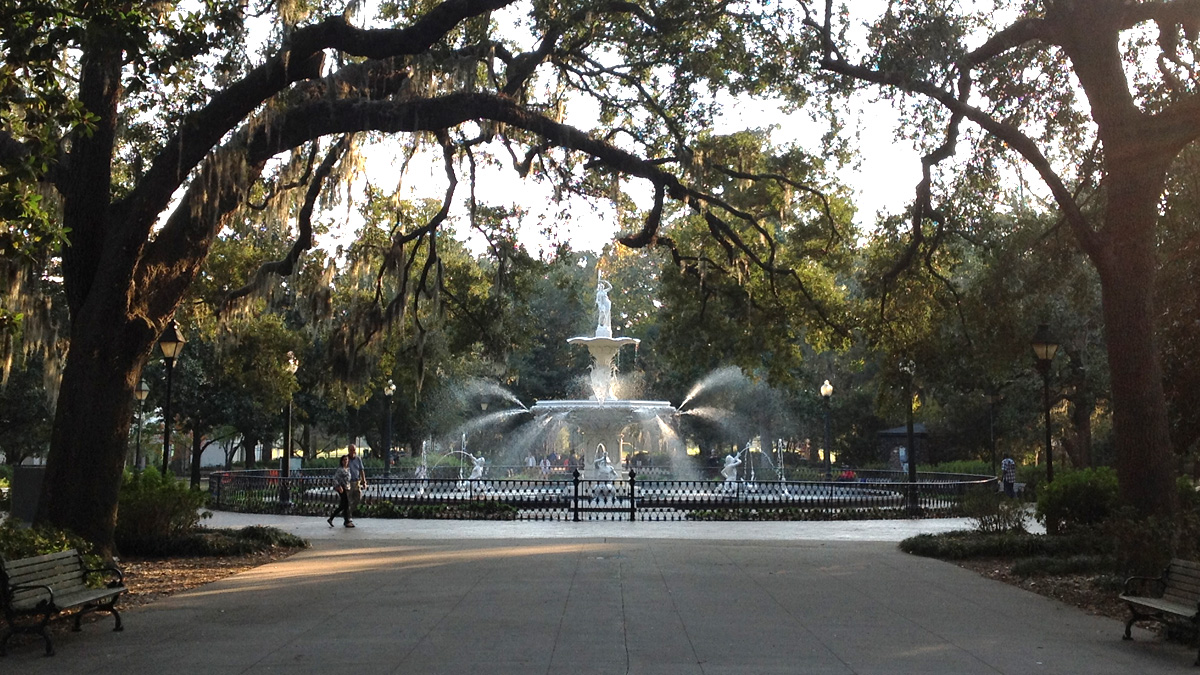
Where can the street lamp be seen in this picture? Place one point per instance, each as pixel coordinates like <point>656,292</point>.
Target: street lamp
<point>388,390</point>
<point>1045,346</point>
<point>285,461</point>
<point>827,394</point>
<point>171,344</point>
<point>140,393</point>
<point>909,368</point>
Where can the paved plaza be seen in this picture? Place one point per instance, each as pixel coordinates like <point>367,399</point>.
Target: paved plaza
<point>453,597</point>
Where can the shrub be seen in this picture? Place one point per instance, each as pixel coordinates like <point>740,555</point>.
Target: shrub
<point>18,541</point>
<point>216,542</point>
<point>1078,498</point>
<point>965,544</point>
<point>151,507</point>
<point>975,467</point>
<point>1032,476</point>
<point>994,512</point>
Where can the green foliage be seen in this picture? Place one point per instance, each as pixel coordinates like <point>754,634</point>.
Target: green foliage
<point>153,508</point>
<point>476,510</point>
<point>215,542</point>
<point>1078,498</point>
<point>974,467</point>
<point>1032,476</point>
<point>963,545</point>
<point>1146,545</point>
<point>18,541</point>
<point>993,511</point>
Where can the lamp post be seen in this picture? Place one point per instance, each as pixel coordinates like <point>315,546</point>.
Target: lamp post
<point>285,460</point>
<point>1045,346</point>
<point>171,344</point>
<point>827,394</point>
<point>388,390</point>
<point>140,393</point>
<point>909,368</point>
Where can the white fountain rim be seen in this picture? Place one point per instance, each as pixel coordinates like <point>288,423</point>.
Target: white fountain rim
<point>592,403</point>
<point>601,340</point>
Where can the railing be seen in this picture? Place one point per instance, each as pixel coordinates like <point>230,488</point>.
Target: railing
<point>872,494</point>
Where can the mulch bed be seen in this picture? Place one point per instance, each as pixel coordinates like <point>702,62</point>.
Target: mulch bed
<point>1090,592</point>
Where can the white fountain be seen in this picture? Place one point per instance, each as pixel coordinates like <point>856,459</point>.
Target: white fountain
<point>601,419</point>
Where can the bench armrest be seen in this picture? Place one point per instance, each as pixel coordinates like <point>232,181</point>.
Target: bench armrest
<point>29,587</point>
<point>1138,585</point>
<point>109,571</point>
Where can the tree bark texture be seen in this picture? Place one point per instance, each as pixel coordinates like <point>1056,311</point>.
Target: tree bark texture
<point>1127,264</point>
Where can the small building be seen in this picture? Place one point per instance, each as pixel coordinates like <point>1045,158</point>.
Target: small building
<point>892,440</point>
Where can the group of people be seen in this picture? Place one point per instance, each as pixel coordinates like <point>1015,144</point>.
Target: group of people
<point>548,462</point>
<point>348,482</point>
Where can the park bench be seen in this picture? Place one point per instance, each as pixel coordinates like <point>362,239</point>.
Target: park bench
<point>35,590</point>
<point>1174,596</point>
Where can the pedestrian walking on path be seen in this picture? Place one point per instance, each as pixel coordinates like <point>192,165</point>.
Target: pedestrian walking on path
<point>341,485</point>
<point>358,479</point>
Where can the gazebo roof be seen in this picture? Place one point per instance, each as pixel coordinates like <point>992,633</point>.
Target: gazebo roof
<point>918,430</point>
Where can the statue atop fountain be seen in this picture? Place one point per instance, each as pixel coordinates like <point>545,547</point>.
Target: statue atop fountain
<point>603,308</point>
<point>603,346</point>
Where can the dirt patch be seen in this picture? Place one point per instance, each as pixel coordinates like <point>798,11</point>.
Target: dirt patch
<point>1093,593</point>
<point>151,579</point>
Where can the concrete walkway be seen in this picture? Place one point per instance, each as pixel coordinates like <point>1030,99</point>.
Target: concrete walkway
<point>431,597</point>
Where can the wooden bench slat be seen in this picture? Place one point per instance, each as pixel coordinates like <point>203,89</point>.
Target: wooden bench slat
<point>74,599</point>
<point>46,585</point>
<point>21,562</point>
<point>1161,605</point>
<point>1186,564</point>
<point>59,578</point>
<point>42,570</point>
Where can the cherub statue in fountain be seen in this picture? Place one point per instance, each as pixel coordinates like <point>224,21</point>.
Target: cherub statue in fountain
<point>477,469</point>
<point>603,308</point>
<point>730,471</point>
<point>605,473</point>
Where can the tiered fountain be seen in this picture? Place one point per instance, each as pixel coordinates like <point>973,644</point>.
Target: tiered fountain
<point>601,419</point>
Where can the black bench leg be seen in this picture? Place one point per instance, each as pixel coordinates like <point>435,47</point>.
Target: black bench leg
<point>117,615</point>
<point>4,642</point>
<point>1128,625</point>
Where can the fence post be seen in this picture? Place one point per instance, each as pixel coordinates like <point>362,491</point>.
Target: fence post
<point>632,495</point>
<point>575,502</point>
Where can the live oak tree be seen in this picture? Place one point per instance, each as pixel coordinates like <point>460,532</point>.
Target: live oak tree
<point>133,133</point>
<point>1098,98</point>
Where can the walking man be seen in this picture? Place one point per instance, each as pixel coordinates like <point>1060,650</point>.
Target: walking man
<point>358,479</point>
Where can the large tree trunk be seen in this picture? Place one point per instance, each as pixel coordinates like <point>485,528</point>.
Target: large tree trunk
<point>91,429</point>
<point>1127,264</point>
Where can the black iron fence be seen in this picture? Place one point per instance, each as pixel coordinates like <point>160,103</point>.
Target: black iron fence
<point>868,494</point>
